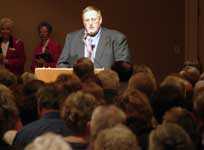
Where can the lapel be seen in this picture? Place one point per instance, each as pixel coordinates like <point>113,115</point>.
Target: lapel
<point>80,45</point>
<point>102,44</point>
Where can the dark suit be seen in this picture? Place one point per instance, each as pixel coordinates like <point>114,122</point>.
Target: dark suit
<point>112,47</point>
<point>50,122</point>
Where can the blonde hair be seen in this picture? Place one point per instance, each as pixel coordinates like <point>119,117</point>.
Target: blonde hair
<point>90,8</point>
<point>49,141</point>
<point>6,21</point>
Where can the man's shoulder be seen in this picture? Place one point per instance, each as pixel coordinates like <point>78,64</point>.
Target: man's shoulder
<point>76,33</point>
<point>112,32</point>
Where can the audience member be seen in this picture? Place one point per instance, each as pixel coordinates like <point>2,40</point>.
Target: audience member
<point>48,141</point>
<point>48,109</point>
<point>76,113</point>
<point>118,137</point>
<point>139,114</point>
<point>169,136</point>
<point>110,83</point>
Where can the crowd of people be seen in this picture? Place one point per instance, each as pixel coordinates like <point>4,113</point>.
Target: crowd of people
<point>85,110</point>
<point>89,111</point>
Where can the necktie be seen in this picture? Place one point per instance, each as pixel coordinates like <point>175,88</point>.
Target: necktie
<point>90,48</point>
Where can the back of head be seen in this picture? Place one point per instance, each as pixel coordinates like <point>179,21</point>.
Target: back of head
<point>181,117</point>
<point>7,78</point>
<point>31,87</point>
<point>143,82</point>
<point>48,141</point>
<point>170,94</point>
<point>94,89</point>
<point>116,138</point>
<point>28,109</point>
<point>191,74</point>
<point>105,117</point>
<point>48,97</point>
<point>68,83</point>
<point>175,82</point>
<point>109,79</point>
<point>169,136</point>
<point>138,109</point>
<point>83,68</point>
<point>77,110</point>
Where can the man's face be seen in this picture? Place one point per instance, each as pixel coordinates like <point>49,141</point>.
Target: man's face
<point>92,22</point>
<point>44,33</point>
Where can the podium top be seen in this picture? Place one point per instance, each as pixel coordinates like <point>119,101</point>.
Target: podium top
<point>51,74</point>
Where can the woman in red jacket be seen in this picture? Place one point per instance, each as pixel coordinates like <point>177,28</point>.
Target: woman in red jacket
<point>12,54</point>
<point>46,54</point>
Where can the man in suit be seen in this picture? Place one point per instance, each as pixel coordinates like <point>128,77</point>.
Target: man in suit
<point>103,46</point>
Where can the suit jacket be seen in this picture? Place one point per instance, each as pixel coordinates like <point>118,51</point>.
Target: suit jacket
<point>53,48</point>
<point>50,122</point>
<point>112,47</point>
<point>15,56</point>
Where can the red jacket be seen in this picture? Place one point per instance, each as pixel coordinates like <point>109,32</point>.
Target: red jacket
<point>53,48</point>
<point>15,56</point>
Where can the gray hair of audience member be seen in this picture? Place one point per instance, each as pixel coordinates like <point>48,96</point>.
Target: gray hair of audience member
<point>109,79</point>
<point>77,110</point>
<point>48,141</point>
<point>169,136</point>
<point>105,117</point>
<point>27,77</point>
<point>118,137</point>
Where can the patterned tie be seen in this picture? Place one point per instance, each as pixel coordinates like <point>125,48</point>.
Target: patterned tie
<point>90,48</point>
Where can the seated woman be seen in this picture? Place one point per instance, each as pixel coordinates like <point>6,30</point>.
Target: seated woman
<point>47,52</point>
<point>12,55</point>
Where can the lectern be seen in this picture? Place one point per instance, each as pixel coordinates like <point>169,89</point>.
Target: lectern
<point>51,74</point>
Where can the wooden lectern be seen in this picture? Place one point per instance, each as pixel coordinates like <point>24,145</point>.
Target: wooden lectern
<point>51,74</point>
